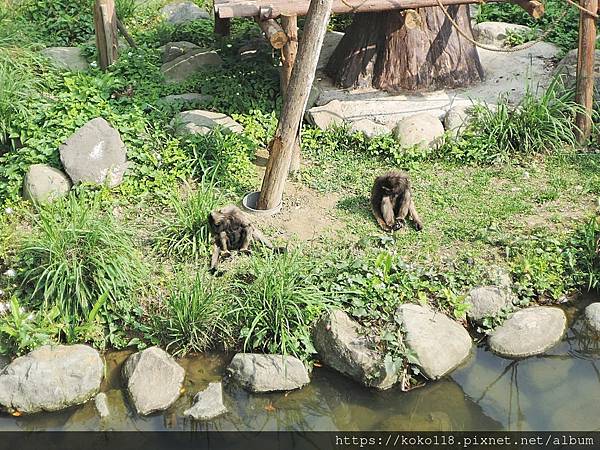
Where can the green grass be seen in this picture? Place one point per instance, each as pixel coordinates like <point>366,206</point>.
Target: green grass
<point>76,253</point>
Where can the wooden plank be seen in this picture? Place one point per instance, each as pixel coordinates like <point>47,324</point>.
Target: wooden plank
<point>272,9</point>
<point>585,70</point>
<point>222,26</point>
<point>105,24</point>
<point>294,103</point>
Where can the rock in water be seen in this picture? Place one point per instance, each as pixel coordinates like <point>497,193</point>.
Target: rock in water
<point>181,12</point>
<point>101,403</point>
<point>67,58</point>
<point>208,404</point>
<point>268,373</point>
<point>95,154</point>
<point>200,121</point>
<point>343,345</point>
<point>488,301</point>
<point>421,129</point>
<point>529,332</point>
<point>44,183</point>
<point>495,33</point>
<point>592,317</point>
<point>182,68</point>
<point>439,343</point>
<point>153,380</point>
<point>51,378</point>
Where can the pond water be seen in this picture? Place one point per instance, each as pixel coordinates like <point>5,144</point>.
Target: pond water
<point>556,391</point>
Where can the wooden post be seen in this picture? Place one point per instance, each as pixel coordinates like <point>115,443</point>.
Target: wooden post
<point>105,24</point>
<point>222,26</point>
<point>288,56</point>
<point>296,97</point>
<point>585,70</point>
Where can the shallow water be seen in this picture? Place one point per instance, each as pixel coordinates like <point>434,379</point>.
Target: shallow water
<point>558,390</point>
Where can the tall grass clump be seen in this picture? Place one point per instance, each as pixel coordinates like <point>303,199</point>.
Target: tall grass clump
<point>537,124</point>
<point>194,317</point>
<point>587,240</point>
<point>186,233</point>
<point>75,255</point>
<point>277,303</point>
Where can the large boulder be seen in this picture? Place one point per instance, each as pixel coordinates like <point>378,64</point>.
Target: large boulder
<point>495,33</point>
<point>51,378</point>
<point>208,403</point>
<point>421,129</point>
<point>457,118</point>
<point>488,301</point>
<point>268,373</point>
<point>67,58</point>
<point>95,154</point>
<point>529,332</point>
<point>343,345</point>
<point>438,342</point>
<point>153,380</point>
<point>187,65</point>
<point>330,42</point>
<point>181,12</point>
<point>369,128</point>
<point>592,317</point>
<point>567,69</point>
<point>327,115</point>
<point>199,121</point>
<point>173,50</point>
<point>43,183</point>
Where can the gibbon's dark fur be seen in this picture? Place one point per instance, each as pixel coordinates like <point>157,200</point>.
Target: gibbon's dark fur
<point>231,230</point>
<point>391,201</point>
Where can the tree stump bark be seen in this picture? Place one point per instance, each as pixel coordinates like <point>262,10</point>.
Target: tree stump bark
<point>396,52</point>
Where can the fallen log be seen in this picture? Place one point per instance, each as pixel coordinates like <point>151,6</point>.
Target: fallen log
<point>273,32</point>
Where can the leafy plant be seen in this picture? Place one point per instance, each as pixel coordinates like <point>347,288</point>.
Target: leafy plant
<point>195,316</point>
<point>277,304</point>
<point>75,254</point>
<point>187,233</point>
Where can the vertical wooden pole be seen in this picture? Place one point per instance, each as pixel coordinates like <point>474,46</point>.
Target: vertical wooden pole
<point>294,103</point>
<point>288,56</point>
<point>105,24</point>
<point>585,69</point>
<point>222,26</point>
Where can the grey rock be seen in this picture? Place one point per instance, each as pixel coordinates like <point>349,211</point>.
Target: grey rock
<point>4,361</point>
<point>592,317</point>
<point>43,183</point>
<point>343,345</point>
<point>101,403</point>
<point>51,379</point>
<point>488,301</point>
<point>153,380</point>
<point>208,403</point>
<point>500,277</point>
<point>421,129</point>
<point>439,343</point>
<point>67,58</point>
<point>327,115</point>
<point>199,121</point>
<point>268,373</point>
<point>181,12</point>
<point>191,97</point>
<point>529,332</point>
<point>567,69</point>
<point>313,97</point>
<point>173,50</point>
<point>187,65</point>
<point>330,42</point>
<point>95,154</point>
<point>369,128</point>
<point>495,33</point>
<point>457,118</point>
<point>252,48</point>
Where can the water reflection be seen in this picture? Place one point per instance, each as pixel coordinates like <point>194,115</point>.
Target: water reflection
<point>555,391</point>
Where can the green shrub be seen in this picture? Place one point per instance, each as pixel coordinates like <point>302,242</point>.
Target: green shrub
<point>187,233</point>
<point>75,254</point>
<point>277,304</point>
<point>586,241</point>
<point>195,316</point>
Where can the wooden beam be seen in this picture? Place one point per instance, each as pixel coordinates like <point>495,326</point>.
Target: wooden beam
<point>294,104</point>
<point>273,32</point>
<point>222,26</point>
<point>105,24</point>
<point>585,69</point>
<point>288,57</point>
<point>272,9</point>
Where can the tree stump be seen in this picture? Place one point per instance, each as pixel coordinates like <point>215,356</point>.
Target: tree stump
<point>105,24</point>
<point>396,51</point>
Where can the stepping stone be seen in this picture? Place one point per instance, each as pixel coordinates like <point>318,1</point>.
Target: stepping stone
<point>592,317</point>
<point>268,373</point>
<point>187,65</point>
<point>43,183</point>
<point>208,403</point>
<point>203,122</point>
